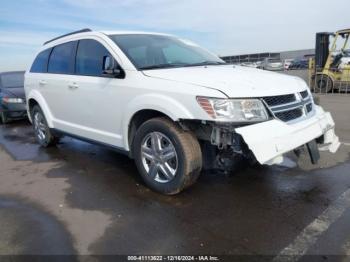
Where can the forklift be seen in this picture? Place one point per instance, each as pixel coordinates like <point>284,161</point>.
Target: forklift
<point>330,69</point>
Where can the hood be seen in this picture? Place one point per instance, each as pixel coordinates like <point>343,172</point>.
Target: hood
<point>14,92</point>
<point>234,81</point>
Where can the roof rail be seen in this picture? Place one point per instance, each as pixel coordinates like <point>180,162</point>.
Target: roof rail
<point>72,33</point>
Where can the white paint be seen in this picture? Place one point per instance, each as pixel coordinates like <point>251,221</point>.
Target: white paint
<point>280,138</point>
<point>101,108</point>
<point>312,232</point>
<point>234,81</point>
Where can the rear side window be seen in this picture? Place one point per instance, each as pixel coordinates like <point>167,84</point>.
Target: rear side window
<point>40,63</point>
<point>62,59</point>
<point>89,58</point>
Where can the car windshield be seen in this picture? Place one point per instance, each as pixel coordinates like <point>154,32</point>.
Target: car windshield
<point>148,51</point>
<point>274,61</point>
<point>11,80</point>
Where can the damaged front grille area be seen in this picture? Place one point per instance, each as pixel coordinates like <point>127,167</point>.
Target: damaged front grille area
<point>291,106</point>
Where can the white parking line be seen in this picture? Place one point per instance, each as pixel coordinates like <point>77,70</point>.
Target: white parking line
<point>310,234</point>
<point>345,143</point>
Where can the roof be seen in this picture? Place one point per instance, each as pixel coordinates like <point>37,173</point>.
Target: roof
<point>130,33</point>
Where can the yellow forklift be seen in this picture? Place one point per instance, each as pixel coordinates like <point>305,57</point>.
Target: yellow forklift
<point>330,69</point>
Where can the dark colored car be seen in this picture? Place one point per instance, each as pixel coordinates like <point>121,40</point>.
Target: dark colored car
<point>12,97</point>
<point>299,64</point>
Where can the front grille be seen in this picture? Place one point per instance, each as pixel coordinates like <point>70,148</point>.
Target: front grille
<point>304,94</point>
<point>290,114</point>
<point>309,108</point>
<point>279,100</point>
<point>290,107</point>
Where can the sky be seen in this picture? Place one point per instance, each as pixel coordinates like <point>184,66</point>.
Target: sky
<point>225,27</point>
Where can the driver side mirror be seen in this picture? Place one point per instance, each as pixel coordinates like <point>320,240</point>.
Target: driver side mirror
<point>111,68</point>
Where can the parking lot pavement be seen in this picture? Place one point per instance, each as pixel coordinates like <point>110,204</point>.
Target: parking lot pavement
<point>86,199</point>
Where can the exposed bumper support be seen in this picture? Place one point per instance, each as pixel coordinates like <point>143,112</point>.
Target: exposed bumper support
<point>270,140</point>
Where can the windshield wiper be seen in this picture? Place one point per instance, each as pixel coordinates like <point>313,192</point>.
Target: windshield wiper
<point>206,63</point>
<point>161,66</point>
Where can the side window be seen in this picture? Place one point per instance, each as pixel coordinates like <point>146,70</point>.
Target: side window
<point>89,58</point>
<point>62,59</point>
<point>40,63</point>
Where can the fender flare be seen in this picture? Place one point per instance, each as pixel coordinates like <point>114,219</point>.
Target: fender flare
<point>161,103</point>
<point>35,95</point>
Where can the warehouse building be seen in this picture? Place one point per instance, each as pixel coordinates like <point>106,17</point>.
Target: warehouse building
<point>296,54</point>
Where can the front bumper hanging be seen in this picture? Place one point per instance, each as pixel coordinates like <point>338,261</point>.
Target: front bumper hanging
<point>270,140</point>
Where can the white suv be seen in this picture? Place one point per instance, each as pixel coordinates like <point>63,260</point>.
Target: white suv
<point>169,104</point>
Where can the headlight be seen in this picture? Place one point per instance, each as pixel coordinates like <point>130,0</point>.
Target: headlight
<point>10,100</point>
<point>235,110</point>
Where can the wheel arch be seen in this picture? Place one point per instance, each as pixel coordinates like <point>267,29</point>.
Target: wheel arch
<point>146,107</point>
<point>138,119</point>
<point>35,98</point>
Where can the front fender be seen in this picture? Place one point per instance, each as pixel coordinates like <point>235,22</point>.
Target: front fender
<point>34,94</point>
<point>164,104</point>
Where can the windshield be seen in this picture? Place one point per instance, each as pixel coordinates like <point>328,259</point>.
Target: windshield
<point>147,51</point>
<point>11,80</point>
<point>274,60</point>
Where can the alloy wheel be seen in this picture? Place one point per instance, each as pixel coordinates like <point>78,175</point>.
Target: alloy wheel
<point>159,157</point>
<point>40,126</point>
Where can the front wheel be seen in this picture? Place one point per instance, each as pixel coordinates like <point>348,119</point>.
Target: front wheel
<point>323,83</point>
<point>168,158</point>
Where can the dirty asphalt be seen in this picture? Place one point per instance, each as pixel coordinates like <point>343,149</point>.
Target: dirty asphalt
<point>79,198</point>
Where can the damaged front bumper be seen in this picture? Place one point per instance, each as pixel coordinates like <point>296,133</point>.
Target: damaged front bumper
<point>269,140</point>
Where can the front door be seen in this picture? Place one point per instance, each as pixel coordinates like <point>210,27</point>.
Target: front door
<point>94,100</point>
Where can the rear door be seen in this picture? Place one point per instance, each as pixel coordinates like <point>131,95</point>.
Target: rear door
<point>54,87</point>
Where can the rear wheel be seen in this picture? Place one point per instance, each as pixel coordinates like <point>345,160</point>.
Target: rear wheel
<point>323,83</point>
<point>42,131</point>
<point>167,157</point>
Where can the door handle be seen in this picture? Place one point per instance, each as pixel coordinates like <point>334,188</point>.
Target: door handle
<point>42,82</point>
<point>73,86</point>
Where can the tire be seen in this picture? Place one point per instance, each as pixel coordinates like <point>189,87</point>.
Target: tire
<point>42,131</point>
<point>3,118</point>
<point>174,164</point>
<point>323,83</point>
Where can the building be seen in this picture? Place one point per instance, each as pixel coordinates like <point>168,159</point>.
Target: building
<point>296,54</point>
<point>305,53</point>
